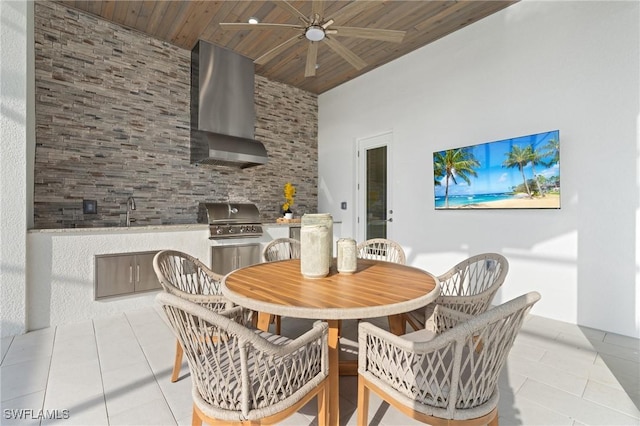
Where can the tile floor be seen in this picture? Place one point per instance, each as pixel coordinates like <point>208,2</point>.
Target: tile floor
<point>115,371</point>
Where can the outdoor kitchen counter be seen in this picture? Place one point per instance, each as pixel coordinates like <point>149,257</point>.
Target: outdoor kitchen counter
<point>148,228</point>
<point>124,229</point>
<point>61,280</point>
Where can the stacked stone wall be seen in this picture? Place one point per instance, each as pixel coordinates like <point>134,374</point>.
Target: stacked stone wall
<point>112,121</point>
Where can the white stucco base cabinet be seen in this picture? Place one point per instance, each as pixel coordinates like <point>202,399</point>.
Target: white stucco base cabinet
<point>62,273</point>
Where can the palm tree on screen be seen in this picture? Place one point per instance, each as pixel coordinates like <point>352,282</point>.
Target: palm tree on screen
<point>536,159</point>
<point>552,149</point>
<point>519,157</point>
<point>452,164</point>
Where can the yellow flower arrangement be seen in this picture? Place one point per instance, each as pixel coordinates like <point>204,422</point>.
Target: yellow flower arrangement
<point>289,192</point>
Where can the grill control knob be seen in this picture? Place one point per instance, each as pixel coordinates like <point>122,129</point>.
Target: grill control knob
<point>218,231</point>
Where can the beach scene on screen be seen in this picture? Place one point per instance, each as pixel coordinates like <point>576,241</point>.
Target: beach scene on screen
<point>516,173</point>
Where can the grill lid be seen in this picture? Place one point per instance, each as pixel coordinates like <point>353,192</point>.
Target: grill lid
<point>228,213</point>
<point>228,220</point>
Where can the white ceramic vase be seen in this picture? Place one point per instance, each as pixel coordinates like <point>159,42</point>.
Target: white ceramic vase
<point>314,259</point>
<point>320,219</point>
<point>347,256</point>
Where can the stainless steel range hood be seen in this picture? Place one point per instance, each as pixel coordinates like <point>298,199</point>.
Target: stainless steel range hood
<point>222,108</point>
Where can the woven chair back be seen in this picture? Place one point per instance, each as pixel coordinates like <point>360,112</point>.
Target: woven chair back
<point>240,374</point>
<point>455,374</point>
<point>187,277</point>
<point>471,284</point>
<point>382,249</point>
<point>281,249</point>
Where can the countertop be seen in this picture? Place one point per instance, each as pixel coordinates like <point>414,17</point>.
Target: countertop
<point>146,228</point>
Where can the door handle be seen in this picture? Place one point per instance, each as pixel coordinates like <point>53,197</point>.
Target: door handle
<point>390,219</point>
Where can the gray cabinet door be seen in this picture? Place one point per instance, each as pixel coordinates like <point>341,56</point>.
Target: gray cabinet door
<point>225,259</point>
<point>145,276</point>
<point>124,273</point>
<point>294,232</point>
<point>248,255</point>
<point>114,275</point>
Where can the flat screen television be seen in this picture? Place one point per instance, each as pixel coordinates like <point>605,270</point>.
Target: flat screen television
<point>517,173</point>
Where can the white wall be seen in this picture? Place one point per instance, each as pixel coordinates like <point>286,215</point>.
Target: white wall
<point>17,143</point>
<point>533,67</point>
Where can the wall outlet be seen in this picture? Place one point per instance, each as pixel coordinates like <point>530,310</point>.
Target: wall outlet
<point>89,206</point>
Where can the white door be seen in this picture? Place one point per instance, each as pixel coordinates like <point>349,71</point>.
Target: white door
<point>375,213</point>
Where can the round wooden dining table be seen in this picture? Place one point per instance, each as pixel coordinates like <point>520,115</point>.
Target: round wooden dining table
<point>375,289</point>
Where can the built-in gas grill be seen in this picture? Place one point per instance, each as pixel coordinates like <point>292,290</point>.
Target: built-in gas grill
<point>229,220</point>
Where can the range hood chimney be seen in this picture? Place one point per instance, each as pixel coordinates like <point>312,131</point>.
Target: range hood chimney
<point>222,108</point>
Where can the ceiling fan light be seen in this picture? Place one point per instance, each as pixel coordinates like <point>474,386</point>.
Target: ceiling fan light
<point>253,20</point>
<point>314,33</point>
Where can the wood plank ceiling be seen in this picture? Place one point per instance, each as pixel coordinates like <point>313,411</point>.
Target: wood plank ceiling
<point>182,23</point>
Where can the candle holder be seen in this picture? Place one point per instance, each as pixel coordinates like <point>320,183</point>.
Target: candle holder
<point>347,256</point>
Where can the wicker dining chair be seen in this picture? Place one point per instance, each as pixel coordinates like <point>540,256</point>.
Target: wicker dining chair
<point>447,377</point>
<point>468,287</point>
<point>243,376</point>
<point>281,249</point>
<point>185,276</point>
<point>381,249</point>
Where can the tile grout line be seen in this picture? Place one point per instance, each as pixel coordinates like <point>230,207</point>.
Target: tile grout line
<point>605,406</point>
<point>571,395</point>
<point>164,397</point>
<point>535,402</point>
<point>598,355</point>
<point>7,351</point>
<point>557,339</point>
<point>46,385</point>
<point>588,379</point>
<point>104,395</point>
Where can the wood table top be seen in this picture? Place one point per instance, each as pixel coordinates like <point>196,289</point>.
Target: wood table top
<point>377,288</point>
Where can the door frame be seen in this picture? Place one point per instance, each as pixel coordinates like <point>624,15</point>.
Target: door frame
<point>362,144</point>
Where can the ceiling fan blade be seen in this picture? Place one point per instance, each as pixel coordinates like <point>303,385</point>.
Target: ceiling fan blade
<point>317,7</point>
<point>327,23</point>
<point>292,10</point>
<point>371,33</point>
<point>265,26</point>
<point>346,54</point>
<point>276,50</point>
<point>312,58</point>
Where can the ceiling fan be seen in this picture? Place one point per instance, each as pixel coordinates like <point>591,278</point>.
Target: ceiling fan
<point>319,29</point>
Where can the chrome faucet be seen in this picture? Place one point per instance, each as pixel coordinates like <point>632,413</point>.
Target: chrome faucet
<point>131,205</point>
